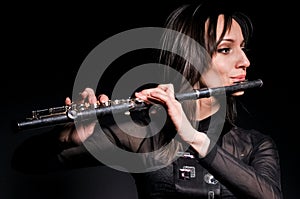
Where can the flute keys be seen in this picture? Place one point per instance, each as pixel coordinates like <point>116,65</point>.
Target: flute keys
<point>72,114</point>
<point>104,104</point>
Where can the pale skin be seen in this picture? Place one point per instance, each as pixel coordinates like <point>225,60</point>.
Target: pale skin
<point>230,62</point>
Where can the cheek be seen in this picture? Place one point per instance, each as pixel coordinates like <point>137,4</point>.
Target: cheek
<point>221,67</point>
<point>223,71</point>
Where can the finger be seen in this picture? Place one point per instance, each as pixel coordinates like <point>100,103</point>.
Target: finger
<point>160,96</point>
<point>88,95</point>
<point>164,93</point>
<point>168,88</point>
<point>167,99</point>
<point>102,98</point>
<point>146,92</point>
<point>68,101</point>
<point>143,95</point>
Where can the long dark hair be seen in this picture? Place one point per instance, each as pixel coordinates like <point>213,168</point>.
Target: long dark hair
<point>198,23</point>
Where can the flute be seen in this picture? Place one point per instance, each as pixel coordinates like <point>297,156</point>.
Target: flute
<point>65,114</point>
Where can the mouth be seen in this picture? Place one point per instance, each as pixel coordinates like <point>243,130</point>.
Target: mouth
<point>237,79</point>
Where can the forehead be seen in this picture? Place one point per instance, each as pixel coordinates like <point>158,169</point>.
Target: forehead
<point>233,31</point>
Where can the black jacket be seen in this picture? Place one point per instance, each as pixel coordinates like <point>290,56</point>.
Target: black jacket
<point>243,163</point>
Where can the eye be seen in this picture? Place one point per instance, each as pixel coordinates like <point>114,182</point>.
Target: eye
<point>224,50</point>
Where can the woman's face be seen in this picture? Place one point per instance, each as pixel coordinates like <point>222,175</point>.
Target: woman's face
<point>230,60</point>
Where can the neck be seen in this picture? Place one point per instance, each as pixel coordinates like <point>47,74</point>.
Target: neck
<point>206,107</point>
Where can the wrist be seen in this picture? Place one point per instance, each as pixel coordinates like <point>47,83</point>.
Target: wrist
<point>200,143</point>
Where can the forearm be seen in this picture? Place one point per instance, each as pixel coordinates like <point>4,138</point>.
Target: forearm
<point>38,154</point>
<point>46,152</point>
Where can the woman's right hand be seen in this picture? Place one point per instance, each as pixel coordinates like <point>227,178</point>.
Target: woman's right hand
<point>79,133</point>
<point>164,94</point>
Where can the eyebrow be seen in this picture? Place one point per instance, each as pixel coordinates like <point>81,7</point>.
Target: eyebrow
<point>231,40</point>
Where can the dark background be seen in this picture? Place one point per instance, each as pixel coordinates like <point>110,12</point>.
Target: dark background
<point>44,45</point>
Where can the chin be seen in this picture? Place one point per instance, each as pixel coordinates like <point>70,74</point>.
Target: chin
<point>239,93</point>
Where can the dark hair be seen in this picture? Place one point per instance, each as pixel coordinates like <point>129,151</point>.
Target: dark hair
<point>198,23</point>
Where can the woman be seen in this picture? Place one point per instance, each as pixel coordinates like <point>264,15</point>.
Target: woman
<point>216,159</point>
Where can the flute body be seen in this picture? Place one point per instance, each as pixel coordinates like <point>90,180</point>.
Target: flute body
<point>65,114</point>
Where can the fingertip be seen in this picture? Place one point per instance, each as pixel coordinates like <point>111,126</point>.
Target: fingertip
<point>140,96</point>
<point>102,98</point>
<point>93,100</point>
<point>83,94</point>
<point>68,101</point>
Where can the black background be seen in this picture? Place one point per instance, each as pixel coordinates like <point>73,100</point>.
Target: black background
<point>44,45</point>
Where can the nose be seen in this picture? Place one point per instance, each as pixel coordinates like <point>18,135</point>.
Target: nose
<point>243,60</point>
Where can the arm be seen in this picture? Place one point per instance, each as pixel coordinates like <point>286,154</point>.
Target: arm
<point>257,175</point>
<point>45,152</point>
<point>59,148</point>
<point>257,178</point>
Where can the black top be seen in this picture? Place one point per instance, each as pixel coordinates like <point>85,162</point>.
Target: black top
<point>241,163</point>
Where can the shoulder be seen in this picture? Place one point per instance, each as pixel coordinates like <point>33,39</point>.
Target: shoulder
<point>253,136</point>
<point>249,142</point>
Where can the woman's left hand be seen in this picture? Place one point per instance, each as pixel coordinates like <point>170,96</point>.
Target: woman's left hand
<point>164,94</point>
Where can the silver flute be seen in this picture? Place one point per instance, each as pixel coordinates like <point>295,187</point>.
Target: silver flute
<point>64,114</point>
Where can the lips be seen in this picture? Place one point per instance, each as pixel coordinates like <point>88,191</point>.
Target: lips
<point>238,78</point>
